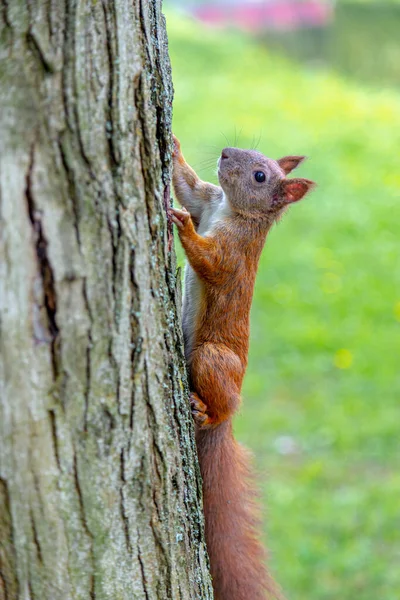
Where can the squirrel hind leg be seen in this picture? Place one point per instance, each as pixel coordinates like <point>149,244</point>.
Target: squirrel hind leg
<point>216,377</point>
<point>199,411</point>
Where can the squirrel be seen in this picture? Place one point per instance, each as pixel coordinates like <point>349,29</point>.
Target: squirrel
<point>223,230</point>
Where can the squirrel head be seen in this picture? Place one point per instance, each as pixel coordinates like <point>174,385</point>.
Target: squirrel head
<point>257,186</point>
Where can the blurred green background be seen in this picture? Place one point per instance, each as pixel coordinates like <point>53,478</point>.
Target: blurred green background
<point>321,397</point>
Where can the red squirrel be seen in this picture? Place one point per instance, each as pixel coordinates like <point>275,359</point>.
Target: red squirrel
<point>223,231</point>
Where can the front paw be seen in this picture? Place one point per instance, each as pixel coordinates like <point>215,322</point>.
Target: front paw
<point>182,219</point>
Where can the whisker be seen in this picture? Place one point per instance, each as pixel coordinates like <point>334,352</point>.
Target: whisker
<point>206,168</point>
<point>227,141</point>
<point>211,154</point>
<point>238,137</point>
<point>259,140</point>
<point>206,163</point>
<point>210,158</point>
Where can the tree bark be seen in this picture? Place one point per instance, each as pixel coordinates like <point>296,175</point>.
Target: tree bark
<point>99,482</point>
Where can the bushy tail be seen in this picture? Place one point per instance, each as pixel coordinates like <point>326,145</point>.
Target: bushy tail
<point>231,519</point>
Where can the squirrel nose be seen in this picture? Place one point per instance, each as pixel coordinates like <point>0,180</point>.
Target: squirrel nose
<point>225,153</point>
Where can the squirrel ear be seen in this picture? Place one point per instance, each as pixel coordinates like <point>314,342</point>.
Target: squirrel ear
<point>293,190</point>
<point>288,163</point>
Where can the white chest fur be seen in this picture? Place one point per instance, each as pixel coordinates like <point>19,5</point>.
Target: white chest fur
<point>213,212</point>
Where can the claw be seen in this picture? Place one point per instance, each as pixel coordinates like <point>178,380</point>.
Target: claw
<point>180,217</point>
<point>199,411</point>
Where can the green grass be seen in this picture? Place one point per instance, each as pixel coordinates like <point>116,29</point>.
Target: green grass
<point>321,404</point>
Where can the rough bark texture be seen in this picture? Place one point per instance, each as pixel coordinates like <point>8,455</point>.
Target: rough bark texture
<point>99,484</point>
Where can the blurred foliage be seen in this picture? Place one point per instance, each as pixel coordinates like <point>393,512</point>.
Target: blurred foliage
<point>358,2</point>
<point>363,40</point>
<point>321,397</point>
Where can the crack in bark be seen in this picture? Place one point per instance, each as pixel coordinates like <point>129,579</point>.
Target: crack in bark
<point>147,44</point>
<point>30,588</point>
<point>8,573</point>
<point>114,247</point>
<point>3,587</point>
<point>35,479</point>
<point>85,525</point>
<point>45,268</point>
<point>71,188</point>
<point>113,222</point>
<point>153,427</point>
<point>110,123</point>
<point>49,24</point>
<point>69,50</point>
<point>80,497</point>
<point>145,151</point>
<point>53,427</point>
<point>144,581</point>
<point>37,51</point>
<point>135,340</point>
<point>64,72</point>
<point>36,538</point>
<point>125,519</point>
<point>4,5</point>
<point>115,365</point>
<point>87,385</point>
<point>88,356</point>
<point>135,358</point>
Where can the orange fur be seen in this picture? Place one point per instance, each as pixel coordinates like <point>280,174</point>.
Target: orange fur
<point>232,521</point>
<point>224,263</point>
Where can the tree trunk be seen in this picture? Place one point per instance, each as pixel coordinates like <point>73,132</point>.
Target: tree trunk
<point>99,482</point>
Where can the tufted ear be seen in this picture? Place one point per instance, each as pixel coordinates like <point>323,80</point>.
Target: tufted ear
<point>288,163</point>
<point>293,190</point>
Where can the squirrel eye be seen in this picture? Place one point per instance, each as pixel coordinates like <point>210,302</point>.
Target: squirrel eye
<point>259,176</point>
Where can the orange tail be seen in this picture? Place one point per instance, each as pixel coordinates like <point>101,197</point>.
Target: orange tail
<point>231,519</point>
